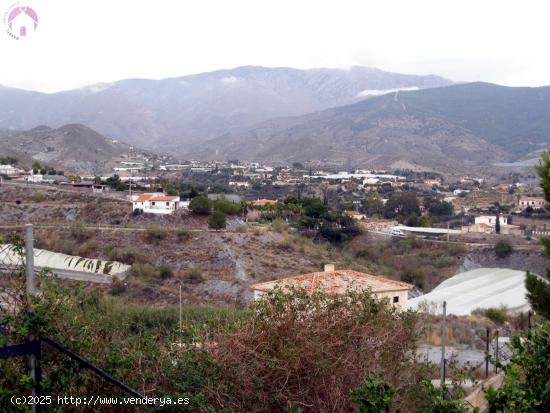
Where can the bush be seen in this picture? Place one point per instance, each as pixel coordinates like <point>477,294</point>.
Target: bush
<point>165,272</point>
<point>200,205</point>
<point>503,249</point>
<point>182,234</point>
<point>496,315</point>
<point>525,387</point>
<point>374,396</point>
<point>194,276</point>
<point>155,233</point>
<point>216,220</point>
<point>142,270</point>
<point>298,349</point>
<point>227,207</point>
<point>127,255</point>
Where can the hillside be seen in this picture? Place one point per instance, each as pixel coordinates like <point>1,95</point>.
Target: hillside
<point>180,112</point>
<point>453,128</point>
<point>74,148</point>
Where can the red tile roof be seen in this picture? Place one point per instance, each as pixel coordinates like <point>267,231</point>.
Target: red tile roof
<point>336,282</point>
<point>266,202</point>
<point>155,197</point>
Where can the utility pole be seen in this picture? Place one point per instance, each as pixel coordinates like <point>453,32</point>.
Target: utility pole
<point>487,353</point>
<point>496,351</point>
<point>443,331</point>
<point>33,360</point>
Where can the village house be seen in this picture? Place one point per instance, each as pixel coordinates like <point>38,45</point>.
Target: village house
<point>337,282</point>
<point>533,202</point>
<point>10,171</point>
<point>490,220</point>
<point>156,203</point>
<point>262,202</point>
<point>355,215</point>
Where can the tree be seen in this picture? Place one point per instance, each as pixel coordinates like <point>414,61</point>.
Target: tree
<point>200,205</point>
<point>424,221</point>
<point>526,386</point>
<point>538,294</point>
<point>503,248</point>
<point>497,223</point>
<point>538,290</point>
<point>402,204</point>
<point>216,220</point>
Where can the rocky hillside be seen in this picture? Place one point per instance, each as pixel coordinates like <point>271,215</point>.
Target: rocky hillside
<point>179,112</point>
<point>74,148</point>
<point>453,128</point>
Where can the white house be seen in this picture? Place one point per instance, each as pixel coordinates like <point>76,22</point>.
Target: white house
<point>533,202</point>
<point>10,170</point>
<point>156,203</point>
<point>491,220</point>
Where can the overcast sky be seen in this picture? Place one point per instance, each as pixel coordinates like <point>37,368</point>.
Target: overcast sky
<point>80,42</point>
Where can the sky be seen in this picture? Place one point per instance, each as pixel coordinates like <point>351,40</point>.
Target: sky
<point>82,42</point>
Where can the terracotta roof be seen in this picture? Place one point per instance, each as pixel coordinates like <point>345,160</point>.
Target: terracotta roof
<point>266,202</point>
<point>336,282</point>
<point>154,197</point>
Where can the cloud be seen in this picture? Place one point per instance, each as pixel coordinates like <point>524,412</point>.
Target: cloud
<point>378,92</point>
<point>231,79</point>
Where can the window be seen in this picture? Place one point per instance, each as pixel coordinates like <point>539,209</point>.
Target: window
<point>153,203</point>
<point>396,299</point>
<point>168,203</point>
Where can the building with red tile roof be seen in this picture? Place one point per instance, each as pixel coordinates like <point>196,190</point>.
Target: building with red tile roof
<point>336,282</point>
<point>156,203</point>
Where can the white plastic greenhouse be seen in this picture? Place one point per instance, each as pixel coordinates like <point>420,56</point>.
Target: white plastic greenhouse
<point>480,288</point>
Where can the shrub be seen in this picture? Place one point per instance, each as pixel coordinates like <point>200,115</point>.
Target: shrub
<point>311,349</point>
<point>80,233</point>
<point>155,233</point>
<point>200,205</point>
<point>279,225</point>
<point>216,220</point>
<point>142,270</point>
<point>374,396</point>
<point>503,249</point>
<point>227,207</point>
<point>182,234</point>
<point>194,276</point>
<point>117,287</point>
<point>165,272</point>
<point>496,315</point>
<point>127,256</point>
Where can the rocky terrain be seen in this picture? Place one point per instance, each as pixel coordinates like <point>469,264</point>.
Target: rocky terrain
<point>73,148</point>
<point>460,128</point>
<point>179,112</point>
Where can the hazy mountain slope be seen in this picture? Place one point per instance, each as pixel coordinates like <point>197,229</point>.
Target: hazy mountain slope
<point>182,111</point>
<point>75,148</point>
<point>458,127</point>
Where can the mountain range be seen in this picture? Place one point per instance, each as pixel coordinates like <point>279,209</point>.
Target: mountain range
<point>359,117</point>
<point>178,113</point>
<point>460,127</point>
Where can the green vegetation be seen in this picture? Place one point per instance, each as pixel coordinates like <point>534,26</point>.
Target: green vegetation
<point>538,290</point>
<point>503,248</point>
<point>527,377</point>
<point>200,205</point>
<point>526,386</point>
<point>216,220</point>
<point>497,315</point>
<point>538,294</point>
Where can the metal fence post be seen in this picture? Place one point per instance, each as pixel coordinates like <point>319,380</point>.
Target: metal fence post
<point>487,335</point>
<point>443,332</point>
<point>34,368</point>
